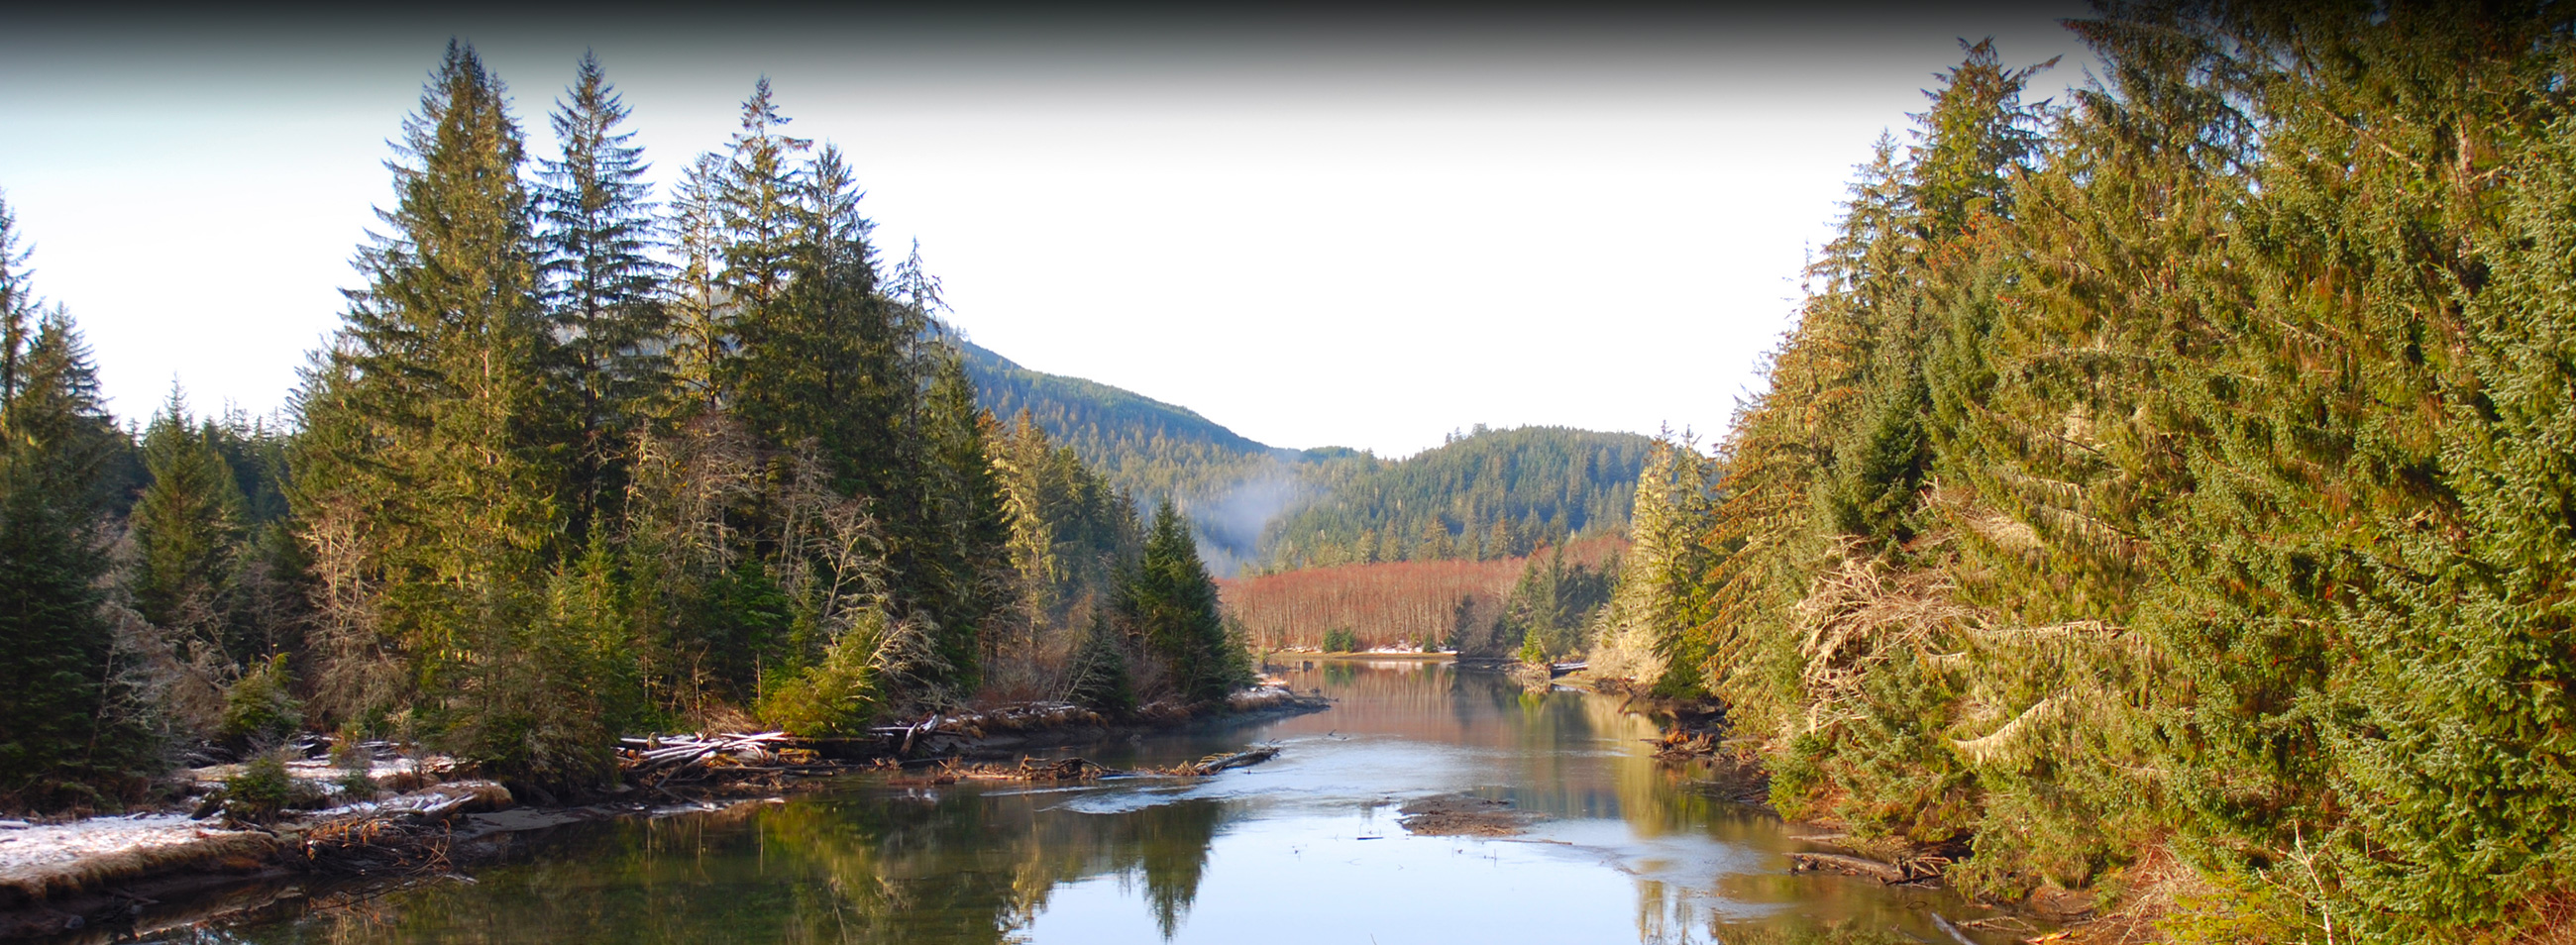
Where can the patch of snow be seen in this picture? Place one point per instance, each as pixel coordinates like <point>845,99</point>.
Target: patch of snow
<point>48,844</point>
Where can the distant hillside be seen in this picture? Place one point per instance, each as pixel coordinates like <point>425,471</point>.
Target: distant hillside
<point>1229,485</point>
<point>1493,494</point>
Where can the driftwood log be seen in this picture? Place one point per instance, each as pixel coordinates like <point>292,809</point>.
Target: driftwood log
<point>1851,865</point>
<point>1081,769</point>
<point>408,834</point>
<point>1223,760</point>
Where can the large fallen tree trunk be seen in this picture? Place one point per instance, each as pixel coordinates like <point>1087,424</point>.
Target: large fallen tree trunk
<point>1223,760</point>
<point>1852,865</point>
<point>408,834</point>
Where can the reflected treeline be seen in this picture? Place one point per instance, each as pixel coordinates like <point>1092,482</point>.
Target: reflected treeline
<point>1573,755</point>
<point>953,868</point>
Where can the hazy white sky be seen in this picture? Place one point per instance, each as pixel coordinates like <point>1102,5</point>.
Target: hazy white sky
<point>1316,233</point>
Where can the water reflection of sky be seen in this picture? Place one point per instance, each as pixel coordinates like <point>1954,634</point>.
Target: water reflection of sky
<point>1310,851</point>
<point>1305,848</point>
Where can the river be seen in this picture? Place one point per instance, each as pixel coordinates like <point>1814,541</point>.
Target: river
<point>1303,849</point>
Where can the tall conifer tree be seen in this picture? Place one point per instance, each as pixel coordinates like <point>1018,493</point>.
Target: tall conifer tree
<point>596,231</point>
<point>188,527</point>
<point>61,742</point>
<point>442,427</point>
<point>1169,606</point>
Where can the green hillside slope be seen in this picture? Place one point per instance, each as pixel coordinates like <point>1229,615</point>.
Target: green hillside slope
<point>1492,493</point>
<point>1487,495</point>
<point>1230,485</point>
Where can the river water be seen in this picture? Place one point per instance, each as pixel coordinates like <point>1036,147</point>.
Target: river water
<point>1303,849</point>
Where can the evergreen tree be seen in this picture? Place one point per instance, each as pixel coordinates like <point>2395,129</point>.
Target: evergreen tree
<point>63,740</point>
<point>1655,601</point>
<point>1169,605</point>
<point>971,563</point>
<point>596,231</point>
<point>188,532</point>
<point>1098,678</point>
<point>439,430</point>
<point>695,301</point>
<point>757,191</point>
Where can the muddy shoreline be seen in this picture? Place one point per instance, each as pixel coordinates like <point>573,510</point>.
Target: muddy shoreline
<point>197,872</point>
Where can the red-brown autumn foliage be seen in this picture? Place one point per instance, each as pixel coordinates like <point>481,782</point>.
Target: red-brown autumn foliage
<point>1389,603</point>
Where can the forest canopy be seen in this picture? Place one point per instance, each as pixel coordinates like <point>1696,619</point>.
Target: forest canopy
<point>581,460</point>
<point>2169,493</point>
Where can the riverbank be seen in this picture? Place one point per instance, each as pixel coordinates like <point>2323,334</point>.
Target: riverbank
<point>1695,732</point>
<point>188,862</point>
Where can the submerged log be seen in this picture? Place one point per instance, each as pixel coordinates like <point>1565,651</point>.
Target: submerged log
<point>1223,760</point>
<point>1849,865</point>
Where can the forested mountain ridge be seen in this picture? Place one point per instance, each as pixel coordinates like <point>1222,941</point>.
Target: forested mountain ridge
<point>1226,483</point>
<point>1489,494</point>
<point>1493,493</point>
<point>1103,423</point>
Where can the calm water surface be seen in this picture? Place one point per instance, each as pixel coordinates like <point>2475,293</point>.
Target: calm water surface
<point>1303,849</point>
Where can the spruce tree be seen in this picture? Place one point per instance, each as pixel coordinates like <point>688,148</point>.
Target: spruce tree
<point>972,556</point>
<point>697,306</point>
<point>1169,605</point>
<point>757,192</point>
<point>189,530</point>
<point>439,430</point>
<point>596,233</point>
<point>63,742</point>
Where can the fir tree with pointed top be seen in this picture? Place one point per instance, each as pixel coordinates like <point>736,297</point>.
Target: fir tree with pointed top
<point>697,304</point>
<point>438,429</point>
<point>758,195</point>
<point>61,743</point>
<point>188,527</point>
<point>596,230</point>
<point>1168,604</point>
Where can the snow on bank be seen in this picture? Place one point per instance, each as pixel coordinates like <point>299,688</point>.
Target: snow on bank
<point>26,850</point>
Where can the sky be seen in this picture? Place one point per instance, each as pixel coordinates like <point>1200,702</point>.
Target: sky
<point>1327,229</point>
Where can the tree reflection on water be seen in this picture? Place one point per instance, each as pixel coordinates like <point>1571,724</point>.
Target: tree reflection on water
<point>1625,846</point>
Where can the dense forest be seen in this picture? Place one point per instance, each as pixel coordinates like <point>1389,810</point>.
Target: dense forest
<point>1479,496</point>
<point>1227,485</point>
<point>1482,495</point>
<point>2170,492</point>
<point>577,463</point>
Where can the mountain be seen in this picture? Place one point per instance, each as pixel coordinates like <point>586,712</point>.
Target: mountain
<point>1490,494</point>
<point>1229,485</point>
<point>1495,493</point>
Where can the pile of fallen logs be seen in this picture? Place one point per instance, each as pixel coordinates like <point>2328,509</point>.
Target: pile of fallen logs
<point>1026,771</point>
<point>659,751</point>
<point>1684,745</point>
<point>975,726</point>
<point>1061,770</point>
<point>408,834</point>
<point>663,762</point>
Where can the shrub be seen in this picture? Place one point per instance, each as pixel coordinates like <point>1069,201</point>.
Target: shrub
<point>835,697</point>
<point>1341,640</point>
<point>1099,678</point>
<point>261,790</point>
<point>260,708</point>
